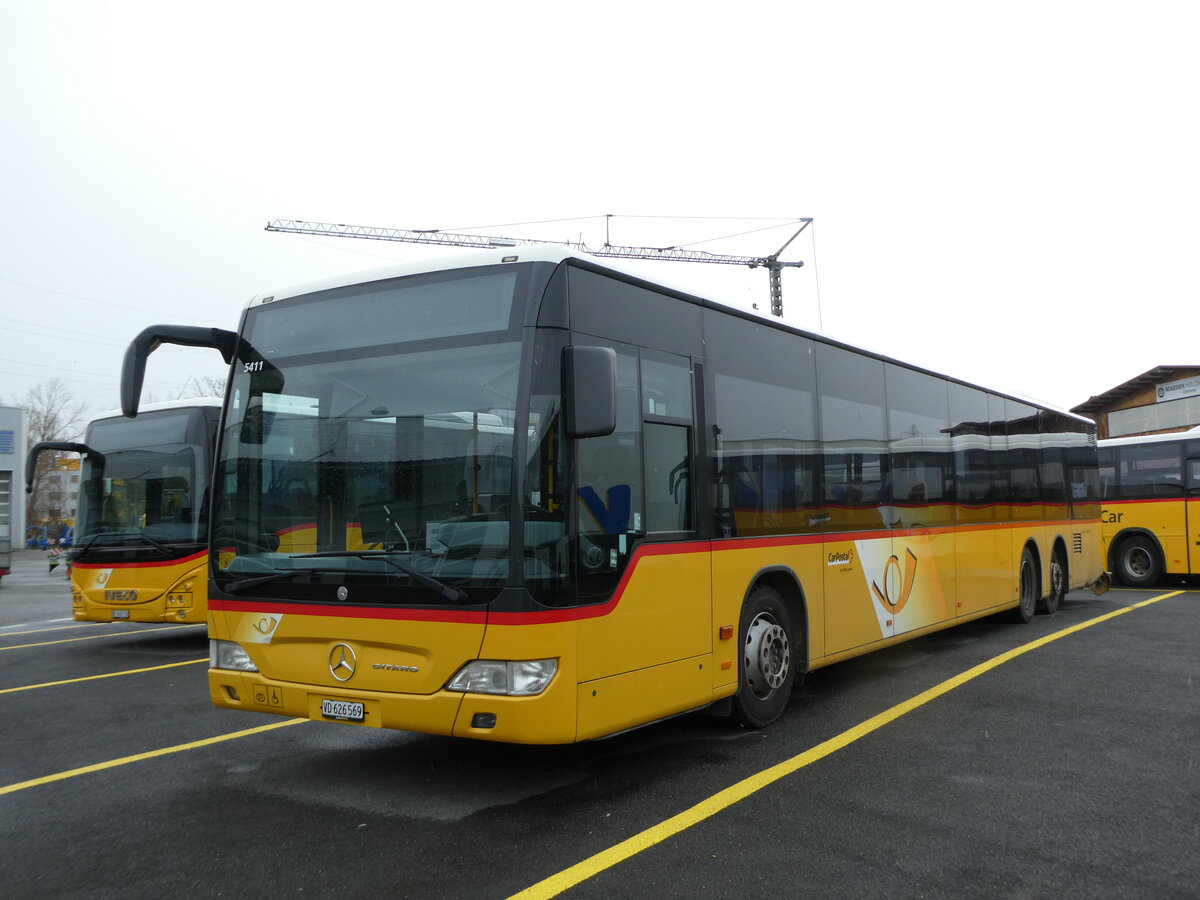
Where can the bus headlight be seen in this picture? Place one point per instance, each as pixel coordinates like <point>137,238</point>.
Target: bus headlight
<point>524,678</point>
<point>228,655</point>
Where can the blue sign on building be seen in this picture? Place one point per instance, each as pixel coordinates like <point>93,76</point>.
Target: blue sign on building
<point>6,442</point>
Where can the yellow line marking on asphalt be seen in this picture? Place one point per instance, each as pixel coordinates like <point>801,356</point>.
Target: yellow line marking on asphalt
<point>56,628</point>
<point>149,754</point>
<point>606,859</point>
<point>96,637</point>
<point>46,684</point>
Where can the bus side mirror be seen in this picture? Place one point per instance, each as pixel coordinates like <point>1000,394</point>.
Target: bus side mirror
<point>67,446</point>
<point>590,391</point>
<point>133,370</point>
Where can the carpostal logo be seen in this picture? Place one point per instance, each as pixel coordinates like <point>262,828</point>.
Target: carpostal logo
<point>840,558</point>
<point>897,586</point>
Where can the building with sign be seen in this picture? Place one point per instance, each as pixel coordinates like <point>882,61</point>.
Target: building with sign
<point>57,497</point>
<point>12,476</point>
<point>1164,400</point>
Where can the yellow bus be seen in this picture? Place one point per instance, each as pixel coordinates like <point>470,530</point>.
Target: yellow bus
<point>529,497</point>
<point>140,550</point>
<point>1150,514</point>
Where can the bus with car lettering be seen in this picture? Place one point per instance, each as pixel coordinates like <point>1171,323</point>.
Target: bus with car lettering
<point>526,496</point>
<point>1150,513</point>
<point>140,551</point>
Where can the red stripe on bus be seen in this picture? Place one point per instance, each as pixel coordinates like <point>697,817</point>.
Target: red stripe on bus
<point>481,617</point>
<point>195,557</point>
<point>303,526</point>
<point>579,613</point>
<point>1148,500</point>
<point>349,612</point>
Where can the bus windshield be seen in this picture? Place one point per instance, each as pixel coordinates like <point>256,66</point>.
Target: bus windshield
<point>148,490</point>
<point>365,461</point>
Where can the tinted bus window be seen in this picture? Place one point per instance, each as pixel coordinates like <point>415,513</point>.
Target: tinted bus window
<point>764,426</point>
<point>919,432</point>
<point>1107,459</point>
<point>970,438</point>
<point>1024,455</point>
<point>853,437</point>
<point>1150,471</point>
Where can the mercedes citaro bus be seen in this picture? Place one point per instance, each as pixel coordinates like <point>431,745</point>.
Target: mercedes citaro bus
<point>140,548</point>
<point>525,496</point>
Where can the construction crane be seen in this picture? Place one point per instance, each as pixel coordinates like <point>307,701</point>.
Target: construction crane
<point>773,264</point>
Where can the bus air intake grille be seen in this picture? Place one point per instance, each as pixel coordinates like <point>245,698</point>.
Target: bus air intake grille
<point>1077,541</point>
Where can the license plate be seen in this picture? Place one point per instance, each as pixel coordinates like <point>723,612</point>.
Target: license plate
<point>120,613</point>
<point>343,710</point>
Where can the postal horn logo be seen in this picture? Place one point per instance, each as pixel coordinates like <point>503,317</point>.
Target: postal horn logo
<point>342,662</point>
<point>896,583</point>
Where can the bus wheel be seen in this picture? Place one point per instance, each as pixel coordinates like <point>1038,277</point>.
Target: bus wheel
<point>766,665</point>
<point>1029,589</point>
<point>1137,562</point>
<point>1058,583</point>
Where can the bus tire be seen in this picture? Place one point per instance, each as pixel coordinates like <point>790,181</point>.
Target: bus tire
<point>766,665</point>
<point>1027,577</point>
<point>1138,562</point>
<point>1058,583</point>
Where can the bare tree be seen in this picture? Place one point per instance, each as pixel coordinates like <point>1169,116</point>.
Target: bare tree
<point>53,414</point>
<point>207,386</point>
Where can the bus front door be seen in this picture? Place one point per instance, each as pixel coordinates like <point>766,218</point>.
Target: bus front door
<point>1192,475</point>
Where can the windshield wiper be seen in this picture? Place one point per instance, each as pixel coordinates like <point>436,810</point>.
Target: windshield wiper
<point>87,544</point>
<point>237,587</point>
<point>121,536</point>
<point>156,544</point>
<point>453,594</point>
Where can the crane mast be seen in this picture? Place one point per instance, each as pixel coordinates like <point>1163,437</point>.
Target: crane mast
<point>773,264</point>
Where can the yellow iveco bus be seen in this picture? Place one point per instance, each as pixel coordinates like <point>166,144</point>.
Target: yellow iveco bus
<point>140,550</point>
<point>1150,516</point>
<point>529,497</point>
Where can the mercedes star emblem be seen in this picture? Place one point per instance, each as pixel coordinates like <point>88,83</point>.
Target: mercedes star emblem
<point>342,662</point>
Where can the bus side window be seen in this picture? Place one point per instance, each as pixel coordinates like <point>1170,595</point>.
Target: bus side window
<point>667,479</point>
<point>666,430</point>
<point>1193,474</point>
<point>607,479</point>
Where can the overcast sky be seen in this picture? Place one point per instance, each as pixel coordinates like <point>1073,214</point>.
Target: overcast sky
<point>1003,192</point>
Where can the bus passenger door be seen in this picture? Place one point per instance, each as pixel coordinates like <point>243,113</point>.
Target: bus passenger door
<point>1192,476</point>
<point>636,524</point>
<point>646,656</point>
<point>668,434</point>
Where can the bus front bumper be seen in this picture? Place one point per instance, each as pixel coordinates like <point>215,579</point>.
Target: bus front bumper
<point>548,718</point>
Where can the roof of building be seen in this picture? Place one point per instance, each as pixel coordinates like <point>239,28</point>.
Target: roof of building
<point>1105,400</point>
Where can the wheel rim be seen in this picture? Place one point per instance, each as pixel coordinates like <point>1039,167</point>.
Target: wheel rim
<point>1028,586</point>
<point>1137,561</point>
<point>768,655</point>
<point>1057,578</point>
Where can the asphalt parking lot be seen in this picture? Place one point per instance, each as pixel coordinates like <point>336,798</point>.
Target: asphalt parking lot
<point>993,760</point>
